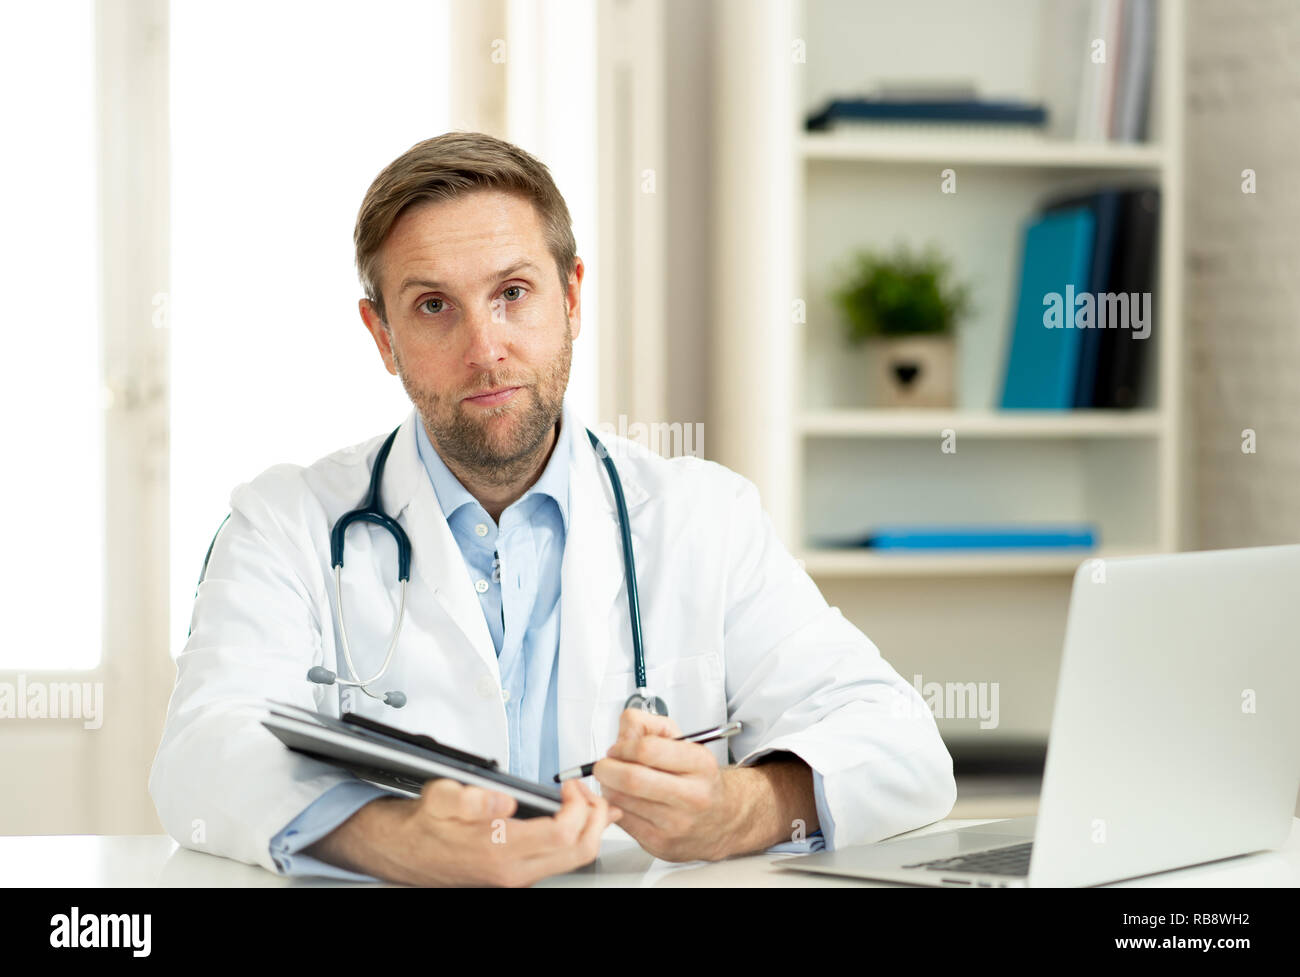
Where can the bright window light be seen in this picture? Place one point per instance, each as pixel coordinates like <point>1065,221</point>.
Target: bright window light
<point>51,387</point>
<point>281,115</point>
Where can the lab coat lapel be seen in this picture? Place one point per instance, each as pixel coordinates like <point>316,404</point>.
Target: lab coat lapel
<point>437,563</point>
<point>592,578</point>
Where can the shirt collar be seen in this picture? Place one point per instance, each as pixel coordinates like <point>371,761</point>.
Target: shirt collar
<point>553,482</point>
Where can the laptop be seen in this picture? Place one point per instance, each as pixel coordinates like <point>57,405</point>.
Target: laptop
<point>1175,738</point>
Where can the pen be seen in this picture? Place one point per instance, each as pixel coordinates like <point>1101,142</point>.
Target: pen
<point>723,732</point>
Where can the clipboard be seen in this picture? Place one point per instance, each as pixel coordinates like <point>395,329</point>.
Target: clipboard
<point>397,760</point>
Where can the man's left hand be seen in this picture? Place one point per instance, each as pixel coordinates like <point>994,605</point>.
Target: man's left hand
<point>676,800</point>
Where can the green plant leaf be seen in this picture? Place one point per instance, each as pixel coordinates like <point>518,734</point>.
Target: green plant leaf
<point>900,294</point>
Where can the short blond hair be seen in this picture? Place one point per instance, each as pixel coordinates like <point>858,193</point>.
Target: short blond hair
<point>446,167</point>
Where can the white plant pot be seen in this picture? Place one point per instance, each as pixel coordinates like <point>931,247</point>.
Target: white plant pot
<point>913,371</point>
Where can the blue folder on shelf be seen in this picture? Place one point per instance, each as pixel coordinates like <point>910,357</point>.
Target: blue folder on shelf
<point>1043,363</point>
<point>1105,205</point>
<point>978,537</point>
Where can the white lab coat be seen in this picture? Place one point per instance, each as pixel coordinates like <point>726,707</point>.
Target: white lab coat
<point>734,629</point>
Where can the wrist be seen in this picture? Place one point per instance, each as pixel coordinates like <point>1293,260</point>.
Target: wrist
<point>744,822</point>
<point>370,841</point>
<point>764,802</point>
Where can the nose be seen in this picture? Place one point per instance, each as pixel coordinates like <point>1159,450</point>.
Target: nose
<point>486,348</point>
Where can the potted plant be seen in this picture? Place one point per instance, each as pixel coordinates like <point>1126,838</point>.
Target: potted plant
<point>906,309</point>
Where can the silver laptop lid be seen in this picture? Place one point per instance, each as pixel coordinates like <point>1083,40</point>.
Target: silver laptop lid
<point>1176,735</point>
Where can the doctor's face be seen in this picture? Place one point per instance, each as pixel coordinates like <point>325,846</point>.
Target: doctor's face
<point>479,330</point>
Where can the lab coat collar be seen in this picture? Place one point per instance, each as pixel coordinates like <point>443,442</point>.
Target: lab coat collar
<point>553,481</point>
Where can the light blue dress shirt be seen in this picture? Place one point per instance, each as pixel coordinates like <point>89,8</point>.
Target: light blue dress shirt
<point>514,567</point>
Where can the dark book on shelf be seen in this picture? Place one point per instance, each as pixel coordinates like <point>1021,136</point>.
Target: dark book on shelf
<point>839,110</point>
<point>1123,356</point>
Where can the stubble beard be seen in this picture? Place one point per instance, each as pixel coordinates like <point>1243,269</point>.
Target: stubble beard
<point>464,436</point>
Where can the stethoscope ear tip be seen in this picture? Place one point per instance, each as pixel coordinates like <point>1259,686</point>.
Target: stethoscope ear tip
<point>320,675</point>
<point>395,699</point>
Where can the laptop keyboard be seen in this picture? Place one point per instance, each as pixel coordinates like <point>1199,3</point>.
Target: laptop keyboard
<point>1012,860</point>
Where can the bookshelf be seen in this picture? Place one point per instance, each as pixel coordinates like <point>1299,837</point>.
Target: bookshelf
<point>828,463</point>
<point>863,186</point>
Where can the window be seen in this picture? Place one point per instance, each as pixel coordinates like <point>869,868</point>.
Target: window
<point>51,391</point>
<point>281,115</point>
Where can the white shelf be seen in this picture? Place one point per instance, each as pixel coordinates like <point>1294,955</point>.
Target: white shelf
<point>865,563</point>
<point>982,424</point>
<point>977,150</point>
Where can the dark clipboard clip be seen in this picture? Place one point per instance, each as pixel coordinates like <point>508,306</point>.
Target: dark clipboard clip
<point>418,739</point>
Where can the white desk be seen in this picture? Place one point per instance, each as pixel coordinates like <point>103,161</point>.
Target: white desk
<point>95,861</point>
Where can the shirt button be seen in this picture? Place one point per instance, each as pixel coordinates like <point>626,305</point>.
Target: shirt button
<point>481,586</point>
<point>481,529</point>
<point>505,695</point>
<point>485,687</point>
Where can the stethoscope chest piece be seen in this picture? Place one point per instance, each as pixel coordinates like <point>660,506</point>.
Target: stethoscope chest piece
<point>646,702</point>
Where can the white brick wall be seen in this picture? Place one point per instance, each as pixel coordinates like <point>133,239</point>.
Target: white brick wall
<point>1243,270</point>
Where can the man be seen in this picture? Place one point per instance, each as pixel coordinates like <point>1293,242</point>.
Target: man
<point>516,639</point>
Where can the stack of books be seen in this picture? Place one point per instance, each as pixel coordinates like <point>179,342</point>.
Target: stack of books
<point>1085,311</point>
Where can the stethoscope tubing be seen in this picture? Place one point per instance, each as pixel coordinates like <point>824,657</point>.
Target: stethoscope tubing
<point>371,511</point>
<point>629,565</point>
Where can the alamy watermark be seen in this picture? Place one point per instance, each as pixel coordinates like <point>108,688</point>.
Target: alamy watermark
<point>128,931</point>
<point>952,700</point>
<point>1098,310</point>
<point>53,700</point>
<point>671,440</point>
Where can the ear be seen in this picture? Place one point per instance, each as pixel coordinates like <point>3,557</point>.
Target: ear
<point>380,332</point>
<point>573,297</point>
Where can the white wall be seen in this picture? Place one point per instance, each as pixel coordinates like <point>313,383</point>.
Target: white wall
<point>1243,269</point>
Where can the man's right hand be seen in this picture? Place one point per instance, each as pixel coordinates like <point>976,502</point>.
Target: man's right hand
<point>460,835</point>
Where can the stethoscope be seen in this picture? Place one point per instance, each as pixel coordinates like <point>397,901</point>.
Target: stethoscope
<point>372,511</point>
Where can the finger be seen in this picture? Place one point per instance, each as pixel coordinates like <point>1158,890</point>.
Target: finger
<point>638,722</point>
<point>441,798</point>
<point>614,812</point>
<point>589,841</point>
<point>534,836</point>
<point>655,812</point>
<point>573,815</point>
<point>641,828</point>
<point>445,798</point>
<point>583,851</point>
<point>539,853</point>
<point>642,782</point>
<point>669,755</point>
